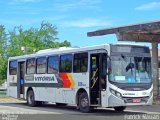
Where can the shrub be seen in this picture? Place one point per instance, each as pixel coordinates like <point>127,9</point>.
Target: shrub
<point>1,82</point>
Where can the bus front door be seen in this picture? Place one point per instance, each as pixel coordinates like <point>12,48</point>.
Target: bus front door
<point>98,70</point>
<point>94,80</point>
<point>20,78</point>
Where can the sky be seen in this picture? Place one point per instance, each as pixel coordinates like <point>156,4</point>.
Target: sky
<point>74,18</point>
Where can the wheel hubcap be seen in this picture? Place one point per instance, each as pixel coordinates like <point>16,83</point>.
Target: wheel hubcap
<point>30,99</point>
<point>84,102</point>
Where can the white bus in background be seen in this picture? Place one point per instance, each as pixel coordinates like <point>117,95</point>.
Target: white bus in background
<point>111,75</point>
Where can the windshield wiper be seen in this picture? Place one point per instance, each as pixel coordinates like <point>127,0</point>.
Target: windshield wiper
<point>130,66</point>
<point>124,58</point>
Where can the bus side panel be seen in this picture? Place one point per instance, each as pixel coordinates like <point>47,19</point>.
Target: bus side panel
<point>47,93</point>
<point>69,96</point>
<point>12,85</point>
<point>12,91</point>
<point>81,81</point>
<point>25,92</point>
<point>59,95</point>
<point>76,81</point>
<point>64,94</point>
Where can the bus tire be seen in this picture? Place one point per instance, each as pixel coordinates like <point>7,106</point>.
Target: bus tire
<point>120,108</point>
<point>84,103</point>
<point>31,99</point>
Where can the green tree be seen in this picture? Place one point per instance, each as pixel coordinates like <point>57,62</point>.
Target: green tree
<point>3,58</point>
<point>34,39</point>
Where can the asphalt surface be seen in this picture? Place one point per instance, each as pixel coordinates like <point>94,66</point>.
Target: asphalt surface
<point>20,111</point>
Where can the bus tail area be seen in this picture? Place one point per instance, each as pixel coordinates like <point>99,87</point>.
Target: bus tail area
<point>15,79</point>
<point>114,76</point>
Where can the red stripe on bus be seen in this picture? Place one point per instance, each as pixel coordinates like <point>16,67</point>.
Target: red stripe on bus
<point>65,79</point>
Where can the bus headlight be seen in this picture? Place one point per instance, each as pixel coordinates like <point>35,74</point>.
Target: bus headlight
<point>112,91</point>
<point>118,94</point>
<point>115,93</point>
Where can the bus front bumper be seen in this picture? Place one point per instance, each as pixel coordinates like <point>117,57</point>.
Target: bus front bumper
<point>124,101</point>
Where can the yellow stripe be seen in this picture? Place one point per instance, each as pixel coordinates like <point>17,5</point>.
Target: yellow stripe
<point>71,80</point>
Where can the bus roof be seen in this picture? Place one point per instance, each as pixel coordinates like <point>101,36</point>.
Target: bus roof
<point>60,50</point>
<point>64,50</point>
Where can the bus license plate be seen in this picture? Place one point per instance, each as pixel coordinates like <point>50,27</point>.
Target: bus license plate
<point>136,100</point>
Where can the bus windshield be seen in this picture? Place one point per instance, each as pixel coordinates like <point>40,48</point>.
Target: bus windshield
<point>125,69</point>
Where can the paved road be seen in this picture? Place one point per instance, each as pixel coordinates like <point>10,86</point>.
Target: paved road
<point>20,111</point>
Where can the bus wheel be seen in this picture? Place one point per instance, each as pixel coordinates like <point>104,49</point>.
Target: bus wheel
<point>84,103</point>
<point>31,99</point>
<point>120,108</point>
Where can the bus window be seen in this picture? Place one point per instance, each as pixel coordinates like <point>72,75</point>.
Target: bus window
<point>66,63</point>
<point>53,64</point>
<point>41,65</point>
<point>13,67</point>
<point>94,63</point>
<point>80,62</point>
<point>31,66</point>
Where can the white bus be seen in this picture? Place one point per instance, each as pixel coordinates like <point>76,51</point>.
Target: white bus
<point>111,75</point>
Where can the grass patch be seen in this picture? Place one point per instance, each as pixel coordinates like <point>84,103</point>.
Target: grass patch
<point>1,82</point>
<point>3,94</point>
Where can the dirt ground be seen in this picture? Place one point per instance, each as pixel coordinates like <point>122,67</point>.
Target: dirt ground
<point>9,100</point>
<point>5,99</point>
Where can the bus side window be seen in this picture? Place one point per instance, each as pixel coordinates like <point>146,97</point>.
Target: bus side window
<point>31,66</point>
<point>53,64</point>
<point>13,67</point>
<point>66,63</point>
<point>41,65</point>
<point>80,63</point>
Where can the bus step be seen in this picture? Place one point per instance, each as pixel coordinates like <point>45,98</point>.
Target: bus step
<point>96,105</point>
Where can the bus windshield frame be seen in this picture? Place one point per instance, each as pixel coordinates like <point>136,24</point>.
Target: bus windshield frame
<point>130,67</point>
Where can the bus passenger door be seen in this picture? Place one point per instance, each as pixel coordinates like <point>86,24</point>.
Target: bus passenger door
<point>20,79</point>
<point>98,71</point>
<point>94,79</point>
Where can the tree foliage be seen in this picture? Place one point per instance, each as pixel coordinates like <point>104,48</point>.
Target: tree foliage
<point>3,59</point>
<point>33,39</point>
